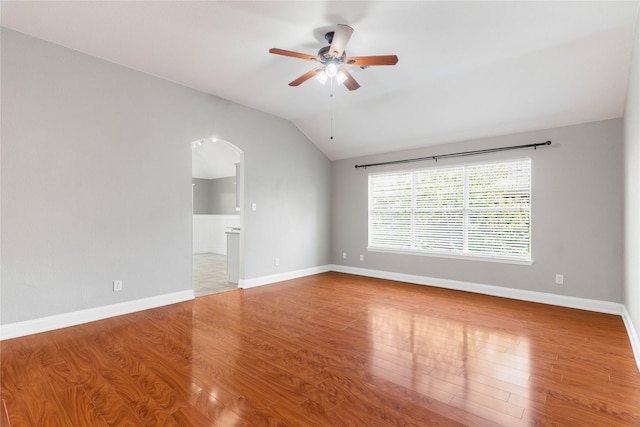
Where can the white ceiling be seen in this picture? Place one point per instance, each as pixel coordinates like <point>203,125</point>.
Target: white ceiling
<point>465,70</point>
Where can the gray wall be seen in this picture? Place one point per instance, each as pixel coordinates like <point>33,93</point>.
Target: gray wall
<point>632,190</point>
<point>214,196</point>
<point>202,194</point>
<point>577,214</point>
<point>96,182</point>
<point>223,199</point>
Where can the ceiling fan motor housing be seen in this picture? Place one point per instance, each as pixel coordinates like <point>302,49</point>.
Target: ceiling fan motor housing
<point>324,53</point>
<point>329,36</point>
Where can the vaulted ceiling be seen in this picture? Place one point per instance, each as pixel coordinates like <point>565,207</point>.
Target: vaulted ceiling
<point>465,70</point>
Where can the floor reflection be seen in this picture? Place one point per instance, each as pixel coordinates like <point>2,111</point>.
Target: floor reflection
<point>452,361</point>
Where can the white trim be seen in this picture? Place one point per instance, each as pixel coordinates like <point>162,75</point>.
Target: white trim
<point>50,323</point>
<point>58,321</point>
<point>289,275</point>
<point>503,260</point>
<point>519,294</point>
<point>633,335</point>
<point>498,291</point>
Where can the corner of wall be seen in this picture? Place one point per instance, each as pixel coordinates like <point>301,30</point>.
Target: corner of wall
<point>631,299</point>
<point>634,338</point>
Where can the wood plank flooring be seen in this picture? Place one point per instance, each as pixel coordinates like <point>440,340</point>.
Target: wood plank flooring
<point>4,417</point>
<point>329,350</point>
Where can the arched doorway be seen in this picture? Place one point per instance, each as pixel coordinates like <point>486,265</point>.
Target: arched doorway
<point>217,188</point>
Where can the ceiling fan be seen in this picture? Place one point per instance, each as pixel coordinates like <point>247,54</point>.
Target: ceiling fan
<point>334,61</point>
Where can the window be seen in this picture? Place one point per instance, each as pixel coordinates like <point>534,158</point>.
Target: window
<point>479,210</point>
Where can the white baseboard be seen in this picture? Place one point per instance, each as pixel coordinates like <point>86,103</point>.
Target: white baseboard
<point>498,291</point>
<point>18,329</point>
<point>50,323</point>
<point>633,335</point>
<point>289,275</point>
<point>519,294</point>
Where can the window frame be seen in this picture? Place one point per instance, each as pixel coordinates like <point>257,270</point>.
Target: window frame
<point>521,260</point>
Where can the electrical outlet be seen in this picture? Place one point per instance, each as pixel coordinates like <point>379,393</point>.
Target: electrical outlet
<point>276,262</point>
<point>559,279</point>
<point>361,257</point>
<point>117,285</point>
<point>344,255</point>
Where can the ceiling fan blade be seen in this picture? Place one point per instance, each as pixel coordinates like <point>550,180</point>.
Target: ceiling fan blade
<point>350,83</point>
<point>340,39</point>
<point>303,78</point>
<point>294,54</point>
<point>365,61</point>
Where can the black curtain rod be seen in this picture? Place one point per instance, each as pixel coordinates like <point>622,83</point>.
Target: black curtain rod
<point>461,154</point>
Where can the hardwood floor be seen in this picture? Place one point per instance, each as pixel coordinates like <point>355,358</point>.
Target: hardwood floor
<point>329,350</point>
<point>4,417</point>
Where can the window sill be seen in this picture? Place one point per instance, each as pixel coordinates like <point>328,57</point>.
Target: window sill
<point>517,261</point>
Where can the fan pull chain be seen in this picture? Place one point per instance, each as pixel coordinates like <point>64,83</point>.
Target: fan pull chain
<point>331,112</point>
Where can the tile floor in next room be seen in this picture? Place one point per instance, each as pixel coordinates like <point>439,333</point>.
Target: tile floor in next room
<point>210,274</point>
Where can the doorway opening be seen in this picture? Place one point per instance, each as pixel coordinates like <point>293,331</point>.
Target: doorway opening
<point>217,189</point>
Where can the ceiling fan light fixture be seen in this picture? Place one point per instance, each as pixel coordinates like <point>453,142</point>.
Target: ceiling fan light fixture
<point>322,77</point>
<point>341,77</point>
<point>331,69</point>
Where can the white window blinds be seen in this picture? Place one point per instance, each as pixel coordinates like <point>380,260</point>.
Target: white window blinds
<point>476,210</point>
